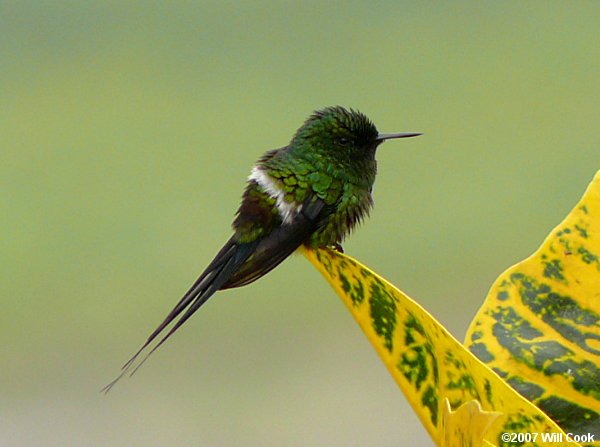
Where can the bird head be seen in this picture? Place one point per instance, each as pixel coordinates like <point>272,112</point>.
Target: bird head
<point>346,133</point>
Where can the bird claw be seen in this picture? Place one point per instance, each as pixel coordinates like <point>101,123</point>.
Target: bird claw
<point>338,247</point>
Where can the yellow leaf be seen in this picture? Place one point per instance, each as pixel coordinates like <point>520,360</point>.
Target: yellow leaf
<point>539,327</point>
<point>428,364</point>
<point>468,416</point>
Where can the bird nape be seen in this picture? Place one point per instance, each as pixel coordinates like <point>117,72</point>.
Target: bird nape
<point>312,192</point>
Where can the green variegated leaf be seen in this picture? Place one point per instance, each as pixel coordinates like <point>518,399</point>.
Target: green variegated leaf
<point>539,327</point>
<point>460,401</point>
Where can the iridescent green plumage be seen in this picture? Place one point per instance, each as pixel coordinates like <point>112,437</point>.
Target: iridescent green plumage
<point>330,158</point>
<point>313,192</point>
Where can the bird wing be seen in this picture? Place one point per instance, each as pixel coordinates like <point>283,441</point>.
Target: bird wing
<point>235,265</point>
<point>279,244</point>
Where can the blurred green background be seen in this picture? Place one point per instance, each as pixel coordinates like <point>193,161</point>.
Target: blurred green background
<point>127,130</point>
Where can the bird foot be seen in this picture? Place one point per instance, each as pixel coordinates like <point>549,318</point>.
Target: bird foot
<point>338,247</point>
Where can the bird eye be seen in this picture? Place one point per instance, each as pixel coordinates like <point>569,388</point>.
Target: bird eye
<point>343,141</point>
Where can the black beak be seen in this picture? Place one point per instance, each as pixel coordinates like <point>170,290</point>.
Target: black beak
<point>389,136</point>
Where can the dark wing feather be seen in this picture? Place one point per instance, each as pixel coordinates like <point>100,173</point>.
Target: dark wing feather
<point>278,245</point>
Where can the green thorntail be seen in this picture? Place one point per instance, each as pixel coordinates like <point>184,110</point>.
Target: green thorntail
<point>312,192</point>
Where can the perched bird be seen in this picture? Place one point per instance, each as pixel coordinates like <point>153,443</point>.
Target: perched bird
<point>311,192</point>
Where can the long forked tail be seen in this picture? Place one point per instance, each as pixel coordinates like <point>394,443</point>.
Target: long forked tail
<point>223,266</point>
<point>229,269</point>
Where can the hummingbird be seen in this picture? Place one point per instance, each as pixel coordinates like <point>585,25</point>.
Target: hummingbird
<point>312,192</point>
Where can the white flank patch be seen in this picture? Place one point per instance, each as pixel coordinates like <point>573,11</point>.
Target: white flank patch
<point>287,210</point>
